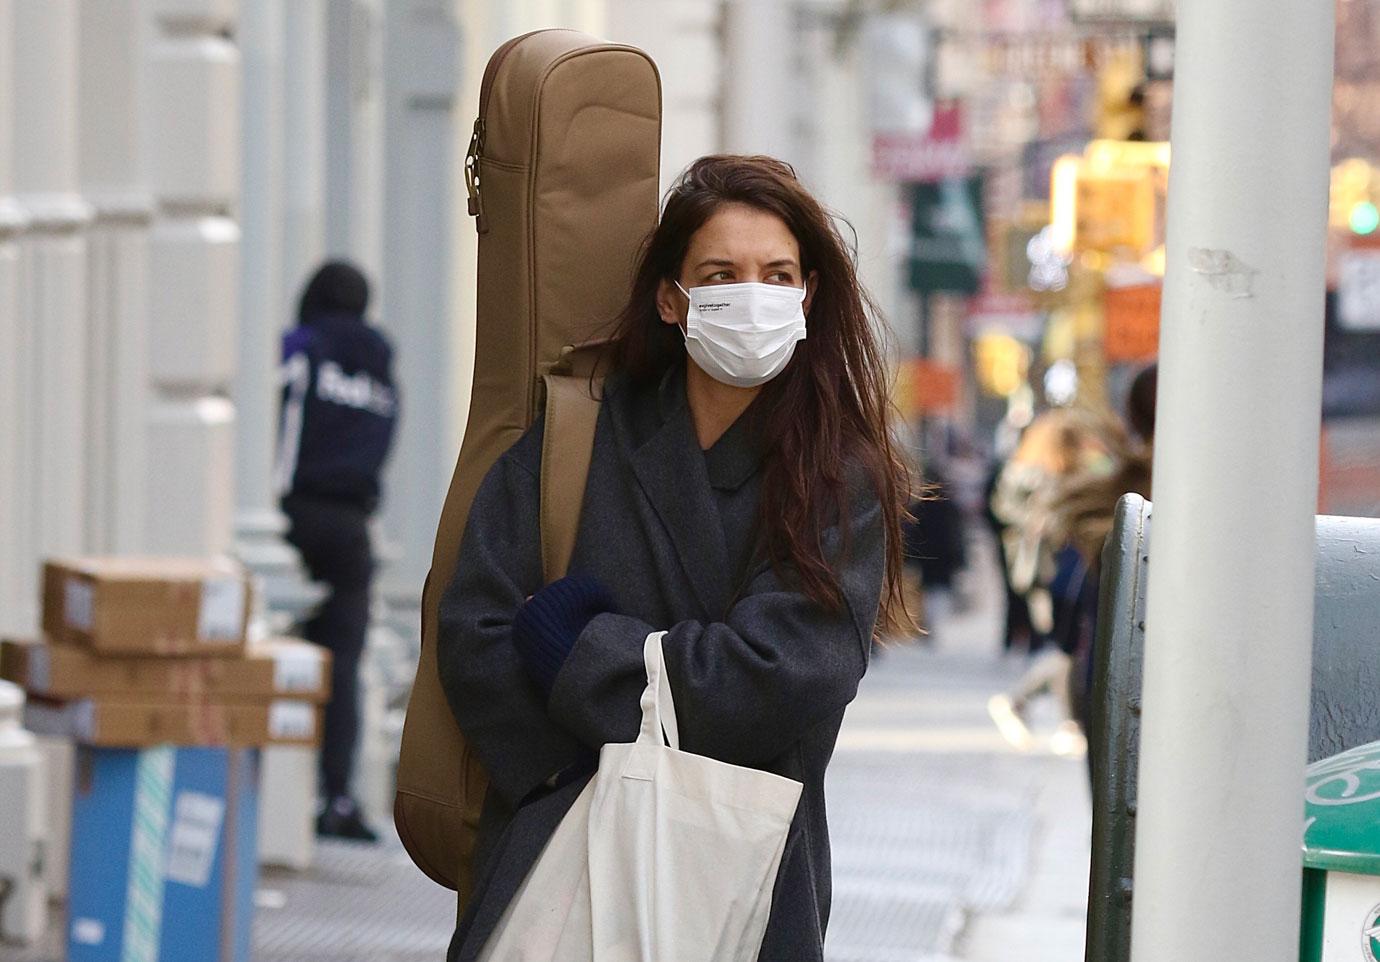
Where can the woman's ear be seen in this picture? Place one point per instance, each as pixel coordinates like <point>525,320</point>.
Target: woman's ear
<point>811,285</point>
<point>668,303</point>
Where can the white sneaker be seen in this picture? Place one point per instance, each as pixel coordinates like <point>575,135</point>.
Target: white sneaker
<point>1009,721</point>
<point>1068,741</point>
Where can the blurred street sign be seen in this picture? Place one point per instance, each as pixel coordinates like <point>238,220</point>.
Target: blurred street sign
<point>1358,290</point>
<point>1001,363</point>
<point>948,242</point>
<point>1132,323</point>
<point>1351,354</point>
<point>1029,56</point>
<point>1014,251</point>
<point>1006,313</point>
<point>926,386</point>
<point>937,154</point>
<point>1122,11</point>
<point>1038,159</point>
<point>1116,209</point>
<point>898,58</point>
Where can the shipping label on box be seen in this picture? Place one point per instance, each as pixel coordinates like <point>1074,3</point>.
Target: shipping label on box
<point>133,724</point>
<point>268,669</point>
<point>301,669</point>
<point>222,614</point>
<point>291,722</point>
<point>147,606</point>
<point>194,838</point>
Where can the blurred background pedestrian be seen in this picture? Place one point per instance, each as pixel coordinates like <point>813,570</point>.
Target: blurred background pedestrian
<point>936,550</point>
<point>1064,519</point>
<point>1059,444</point>
<point>338,414</point>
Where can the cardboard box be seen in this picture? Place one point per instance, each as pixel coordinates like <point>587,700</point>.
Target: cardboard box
<point>163,862</point>
<point>276,668</point>
<point>125,722</point>
<point>147,606</point>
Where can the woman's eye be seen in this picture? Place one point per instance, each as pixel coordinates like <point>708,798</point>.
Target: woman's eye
<point>719,276</point>
<point>780,277</point>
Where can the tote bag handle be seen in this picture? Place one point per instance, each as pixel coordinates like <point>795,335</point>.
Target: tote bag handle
<point>658,708</point>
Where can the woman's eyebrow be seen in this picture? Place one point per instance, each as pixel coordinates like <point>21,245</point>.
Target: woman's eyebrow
<point>724,262</point>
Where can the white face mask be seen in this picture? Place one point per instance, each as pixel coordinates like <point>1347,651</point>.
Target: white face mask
<point>743,334</point>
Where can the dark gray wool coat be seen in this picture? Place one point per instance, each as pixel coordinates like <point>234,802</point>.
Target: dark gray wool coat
<point>761,675</point>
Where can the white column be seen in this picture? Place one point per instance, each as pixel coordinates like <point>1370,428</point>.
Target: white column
<point>263,300</point>
<point>50,349</point>
<point>420,77</point>
<point>114,174</point>
<point>354,133</point>
<point>1230,621</point>
<point>760,97</point>
<point>339,66</point>
<point>194,129</point>
<point>836,162</point>
<point>682,36</point>
<point>366,173</point>
<point>304,147</point>
<point>14,557</point>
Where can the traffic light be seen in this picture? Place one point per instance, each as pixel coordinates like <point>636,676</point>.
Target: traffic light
<point>1364,218</point>
<point>1355,197</point>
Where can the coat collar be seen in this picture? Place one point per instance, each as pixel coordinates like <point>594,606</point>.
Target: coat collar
<point>658,436</point>
<point>732,459</point>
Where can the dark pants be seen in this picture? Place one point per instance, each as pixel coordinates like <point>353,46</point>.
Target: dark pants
<point>333,540</point>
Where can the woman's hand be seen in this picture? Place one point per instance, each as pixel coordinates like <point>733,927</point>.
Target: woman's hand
<point>547,624</point>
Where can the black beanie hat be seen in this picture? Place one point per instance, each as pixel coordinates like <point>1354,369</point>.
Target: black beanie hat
<point>338,287</point>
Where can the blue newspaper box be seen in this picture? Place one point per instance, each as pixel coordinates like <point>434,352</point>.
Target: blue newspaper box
<point>164,856</point>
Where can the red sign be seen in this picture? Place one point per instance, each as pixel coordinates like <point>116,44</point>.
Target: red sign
<point>1132,330</point>
<point>924,158</point>
<point>926,386</point>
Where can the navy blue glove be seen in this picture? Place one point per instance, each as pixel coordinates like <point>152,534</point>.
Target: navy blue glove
<point>546,626</point>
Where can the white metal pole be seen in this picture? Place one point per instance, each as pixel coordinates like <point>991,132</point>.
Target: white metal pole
<point>1228,652</point>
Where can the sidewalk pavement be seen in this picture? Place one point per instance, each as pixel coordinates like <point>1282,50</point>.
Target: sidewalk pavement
<point>948,843</point>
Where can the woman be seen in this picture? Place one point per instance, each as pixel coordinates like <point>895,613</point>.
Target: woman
<point>744,496</point>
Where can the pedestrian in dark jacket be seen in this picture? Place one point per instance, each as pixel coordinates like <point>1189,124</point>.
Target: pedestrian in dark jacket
<point>339,409</point>
<point>934,536</point>
<point>747,501</point>
<point>935,550</point>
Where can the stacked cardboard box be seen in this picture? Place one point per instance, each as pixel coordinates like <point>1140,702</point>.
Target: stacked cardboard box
<point>145,663</point>
<point>163,862</point>
<point>142,652</point>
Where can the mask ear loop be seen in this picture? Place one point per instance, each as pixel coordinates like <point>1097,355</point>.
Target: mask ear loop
<point>684,326</point>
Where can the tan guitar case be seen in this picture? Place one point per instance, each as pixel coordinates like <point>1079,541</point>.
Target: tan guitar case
<point>562,175</point>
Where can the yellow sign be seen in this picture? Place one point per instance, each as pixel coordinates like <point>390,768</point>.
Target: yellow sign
<point>1002,363</point>
<point>1115,210</point>
<point>1110,199</point>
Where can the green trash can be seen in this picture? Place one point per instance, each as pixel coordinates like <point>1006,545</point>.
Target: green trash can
<point>1341,858</point>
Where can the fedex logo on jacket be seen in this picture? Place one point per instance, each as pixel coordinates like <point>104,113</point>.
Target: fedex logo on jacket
<point>339,410</point>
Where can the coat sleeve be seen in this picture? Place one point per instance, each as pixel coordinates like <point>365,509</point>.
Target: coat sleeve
<point>746,688</point>
<point>500,712</point>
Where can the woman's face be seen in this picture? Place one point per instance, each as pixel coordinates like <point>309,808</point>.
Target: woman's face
<point>736,245</point>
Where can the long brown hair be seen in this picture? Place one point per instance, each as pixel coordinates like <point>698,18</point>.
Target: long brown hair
<point>828,412</point>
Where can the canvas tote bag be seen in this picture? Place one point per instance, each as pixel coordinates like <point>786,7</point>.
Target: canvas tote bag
<point>664,857</point>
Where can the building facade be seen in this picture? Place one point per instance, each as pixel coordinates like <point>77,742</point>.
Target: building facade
<point>171,172</point>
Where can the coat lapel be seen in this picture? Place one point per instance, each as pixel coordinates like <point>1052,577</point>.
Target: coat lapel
<point>670,469</point>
